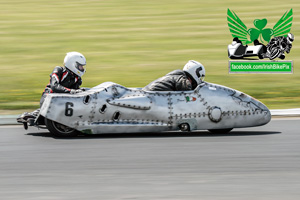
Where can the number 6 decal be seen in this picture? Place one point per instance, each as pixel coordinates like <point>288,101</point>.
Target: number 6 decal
<point>69,110</point>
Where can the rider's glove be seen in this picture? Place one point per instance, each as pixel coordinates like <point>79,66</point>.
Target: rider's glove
<point>84,89</point>
<point>73,91</point>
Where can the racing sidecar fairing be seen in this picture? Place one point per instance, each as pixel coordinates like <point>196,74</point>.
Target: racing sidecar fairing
<point>112,108</point>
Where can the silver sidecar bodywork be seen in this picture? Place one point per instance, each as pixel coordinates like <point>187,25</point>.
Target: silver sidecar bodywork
<point>112,108</point>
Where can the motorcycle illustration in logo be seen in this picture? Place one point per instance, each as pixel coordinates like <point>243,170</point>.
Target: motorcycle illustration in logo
<point>279,39</point>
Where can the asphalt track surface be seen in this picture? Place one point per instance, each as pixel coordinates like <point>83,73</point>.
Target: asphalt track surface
<point>253,163</point>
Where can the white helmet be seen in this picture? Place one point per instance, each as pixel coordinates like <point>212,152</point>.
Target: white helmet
<point>75,61</point>
<point>290,38</point>
<point>196,70</point>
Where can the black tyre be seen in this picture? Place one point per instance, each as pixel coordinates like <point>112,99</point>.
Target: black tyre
<point>185,127</point>
<point>60,130</point>
<point>260,56</point>
<point>227,130</point>
<point>282,56</point>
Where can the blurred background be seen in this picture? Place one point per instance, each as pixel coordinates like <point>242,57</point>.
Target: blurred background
<point>132,42</point>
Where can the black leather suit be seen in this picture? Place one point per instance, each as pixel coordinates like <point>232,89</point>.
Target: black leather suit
<point>62,80</point>
<point>176,80</point>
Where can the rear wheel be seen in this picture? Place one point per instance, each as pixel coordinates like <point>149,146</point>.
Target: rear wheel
<point>227,130</point>
<point>60,130</point>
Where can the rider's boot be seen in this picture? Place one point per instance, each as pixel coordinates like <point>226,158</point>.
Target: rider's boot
<point>28,119</point>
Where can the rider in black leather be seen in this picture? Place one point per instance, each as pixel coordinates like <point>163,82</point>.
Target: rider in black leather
<point>176,80</point>
<point>66,79</point>
<point>281,44</point>
<point>179,80</point>
<point>62,80</point>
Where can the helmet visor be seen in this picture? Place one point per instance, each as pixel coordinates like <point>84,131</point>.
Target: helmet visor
<point>290,39</point>
<point>80,67</point>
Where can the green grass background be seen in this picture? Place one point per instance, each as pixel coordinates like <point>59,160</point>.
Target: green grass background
<point>132,42</point>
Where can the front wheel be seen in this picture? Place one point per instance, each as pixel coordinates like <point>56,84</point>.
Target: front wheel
<point>60,130</point>
<point>222,131</point>
<point>274,53</point>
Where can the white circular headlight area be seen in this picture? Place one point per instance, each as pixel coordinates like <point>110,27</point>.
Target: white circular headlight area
<point>215,114</point>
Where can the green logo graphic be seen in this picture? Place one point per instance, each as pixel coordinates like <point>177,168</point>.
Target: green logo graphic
<point>239,29</point>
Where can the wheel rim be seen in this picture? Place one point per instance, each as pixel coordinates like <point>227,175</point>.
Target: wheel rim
<point>62,128</point>
<point>274,54</point>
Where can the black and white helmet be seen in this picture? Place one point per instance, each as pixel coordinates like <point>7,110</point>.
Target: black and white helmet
<point>75,62</point>
<point>196,70</point>
<point>290,37</point>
